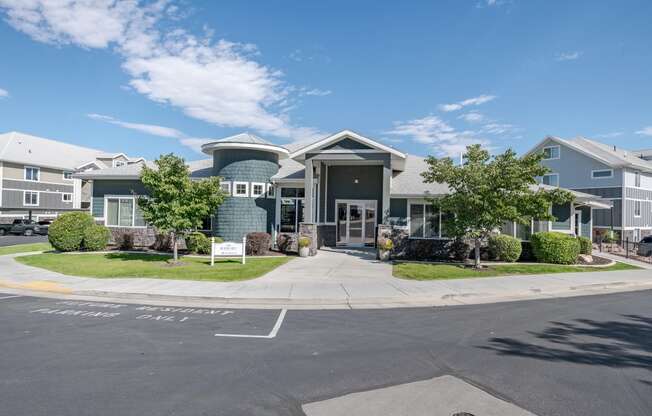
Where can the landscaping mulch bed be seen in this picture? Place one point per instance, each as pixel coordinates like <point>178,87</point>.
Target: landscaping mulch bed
<point>597,261</point>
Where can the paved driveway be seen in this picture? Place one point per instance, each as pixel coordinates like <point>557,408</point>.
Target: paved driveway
<point>11,240</point>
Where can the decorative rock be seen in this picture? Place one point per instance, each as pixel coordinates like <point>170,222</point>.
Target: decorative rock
<point>586,258</point>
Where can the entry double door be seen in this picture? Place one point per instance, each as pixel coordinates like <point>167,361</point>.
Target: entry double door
<point>356,222</point>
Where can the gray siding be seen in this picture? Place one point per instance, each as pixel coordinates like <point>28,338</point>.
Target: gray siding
<point>47,201</point>
<point>238,216</point>
<point>615,192</point>
<point>638,193</point>
<point>348,144</point>
<point>36,186</point>
<point>603,217</point>
<point>644,220</point>
<point>341,185</point>
<point>574,169</point>
<point>102,188</point>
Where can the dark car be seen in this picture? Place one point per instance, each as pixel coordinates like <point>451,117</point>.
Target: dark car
<point>645,246</point>
<point>25,227</point>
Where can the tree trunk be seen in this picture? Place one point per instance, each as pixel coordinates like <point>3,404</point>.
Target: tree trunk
<point>175,251</point>
<point>477,253</point>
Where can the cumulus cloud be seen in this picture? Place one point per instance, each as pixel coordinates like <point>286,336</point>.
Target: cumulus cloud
<point>4,93</point>
<point>219,82</point>
<point>645,131</point>
<point>154,130</point>
<point>432,130</point>
<point>481,99</point>
<point>568,56</point>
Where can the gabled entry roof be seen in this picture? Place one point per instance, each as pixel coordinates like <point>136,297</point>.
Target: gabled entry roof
<point>370,144</point>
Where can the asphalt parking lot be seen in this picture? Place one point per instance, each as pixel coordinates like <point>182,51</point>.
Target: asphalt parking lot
<point>11,240</point>
<point>585,356</point>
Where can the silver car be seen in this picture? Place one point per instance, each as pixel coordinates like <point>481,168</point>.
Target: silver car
<point>645,246</point>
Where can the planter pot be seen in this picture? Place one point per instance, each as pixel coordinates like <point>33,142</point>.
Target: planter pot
<point>304,251</point>
<point>383,255</point>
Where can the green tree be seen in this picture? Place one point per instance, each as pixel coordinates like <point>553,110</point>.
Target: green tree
<point>486,192</point>
<point>177,204</point>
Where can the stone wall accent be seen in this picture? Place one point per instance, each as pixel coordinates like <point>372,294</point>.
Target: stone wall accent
<point>291,245</point>
<point>143,237</point>
<point>406,248</point>
<point>309,230</point>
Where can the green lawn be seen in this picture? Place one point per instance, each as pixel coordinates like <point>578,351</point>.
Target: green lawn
<point>153,266</point>
<point>423,271</point>
<point>25,248</point>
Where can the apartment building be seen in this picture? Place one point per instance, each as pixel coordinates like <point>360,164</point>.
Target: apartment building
<point>36,175</point>
<point>620,175</point>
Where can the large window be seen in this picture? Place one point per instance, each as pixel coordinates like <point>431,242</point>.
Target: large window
<point>30,198</point>
<point>32,174</point>
<point>426,221</point>
<point>292,204</point>
<point>123,212</point>
<point>551,179</point>
<point>550,152</point>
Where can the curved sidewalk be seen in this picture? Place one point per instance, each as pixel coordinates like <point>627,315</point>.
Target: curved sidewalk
<point>334,279</point>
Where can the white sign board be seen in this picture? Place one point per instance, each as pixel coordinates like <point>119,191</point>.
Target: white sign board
<point>228,249</point>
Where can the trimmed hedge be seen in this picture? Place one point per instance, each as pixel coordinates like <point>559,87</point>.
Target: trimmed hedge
<point>199,243</point>
<point>96,237</point>
<point>586,246</point>
<point>504,248</point>
<point>66,233</point>
<point>557,248</point>
<point>258,244</point>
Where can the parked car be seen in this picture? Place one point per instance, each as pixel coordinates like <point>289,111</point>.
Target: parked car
<point>25,227</point>
<point>645,246</point>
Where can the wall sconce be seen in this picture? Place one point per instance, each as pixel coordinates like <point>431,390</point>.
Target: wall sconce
<point>355,180</point>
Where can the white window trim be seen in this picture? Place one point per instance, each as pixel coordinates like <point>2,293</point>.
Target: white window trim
<point>63,197</point>
<point>602,177</point>
<point>228,184</point>
<point>640,208</point>
<point>63,175</point>
<point>262,187</point>
<point>235,189</point>
<point>558,147</point>
<point>272,188</point>
<point>551,174</point>
<point>31,167</point>
<point>38,198</point>
<point>133,212</point>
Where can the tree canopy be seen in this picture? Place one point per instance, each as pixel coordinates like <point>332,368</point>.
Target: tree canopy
<point>486,192</point>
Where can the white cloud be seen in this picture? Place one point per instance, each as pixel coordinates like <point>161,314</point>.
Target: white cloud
<point>491,3</point>
<point>568,56</point>
<point>472,117</point>
<point>498,128</point>
<point>645,131</point>
<point>219,82</point>
<point>481,99</point>
<point>432,130</point>
<point>4,93</point>
<point>154,130</point>
<point>609,135</point>
<point>317,92</point>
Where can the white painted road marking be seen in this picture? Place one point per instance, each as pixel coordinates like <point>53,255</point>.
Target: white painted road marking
<point>9,297</point>
<point>272,334</point>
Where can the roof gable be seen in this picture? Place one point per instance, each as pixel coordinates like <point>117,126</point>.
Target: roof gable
<point>346,140</point>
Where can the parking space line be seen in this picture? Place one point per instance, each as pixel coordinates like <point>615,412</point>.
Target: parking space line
<point>9,297</point>
<point>272,334</point>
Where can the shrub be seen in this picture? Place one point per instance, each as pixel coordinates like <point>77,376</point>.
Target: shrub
<point>558,248</point>
<point>459,250</point>
<point>96,237</point>
<point>124,241</point>
<point>385,244</point>
<point>586,246</point>
<point>304,242</point>
<point>505,248</point>
<point>66,233</point>
<point>199,243</point>
<point>258,244</point>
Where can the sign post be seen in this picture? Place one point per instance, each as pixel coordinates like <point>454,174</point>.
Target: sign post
<point>228,249</point>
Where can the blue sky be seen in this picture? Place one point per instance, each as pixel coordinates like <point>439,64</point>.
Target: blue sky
<point>153,77</point>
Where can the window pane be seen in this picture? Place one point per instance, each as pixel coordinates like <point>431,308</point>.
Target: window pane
<point>552,180</point>
<point>432,222</point>
<point>126,212</point>
<point>551,152</point>
<point>112,212</point>
<point>602,173</point>
<point>138,219</point>
<point>301,193</point>
<point>288,192</point>
<point>416,220</point>
<point>288,216</point>
<point>300,205</point>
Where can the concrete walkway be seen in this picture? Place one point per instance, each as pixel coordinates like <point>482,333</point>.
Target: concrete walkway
<point>332,279</point>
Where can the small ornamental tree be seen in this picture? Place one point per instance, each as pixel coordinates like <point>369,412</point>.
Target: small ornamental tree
<point>486,192</point>
<point>176,204</point>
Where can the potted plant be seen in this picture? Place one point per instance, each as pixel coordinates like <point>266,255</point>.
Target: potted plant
<point>304,246</point>
<point>385,246</point>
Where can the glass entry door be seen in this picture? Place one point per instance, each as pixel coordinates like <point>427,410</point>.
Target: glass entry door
<point>356,222</point>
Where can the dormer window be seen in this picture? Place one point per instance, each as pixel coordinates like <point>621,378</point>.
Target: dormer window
<point>551,152</point>
<point>118,163</point>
